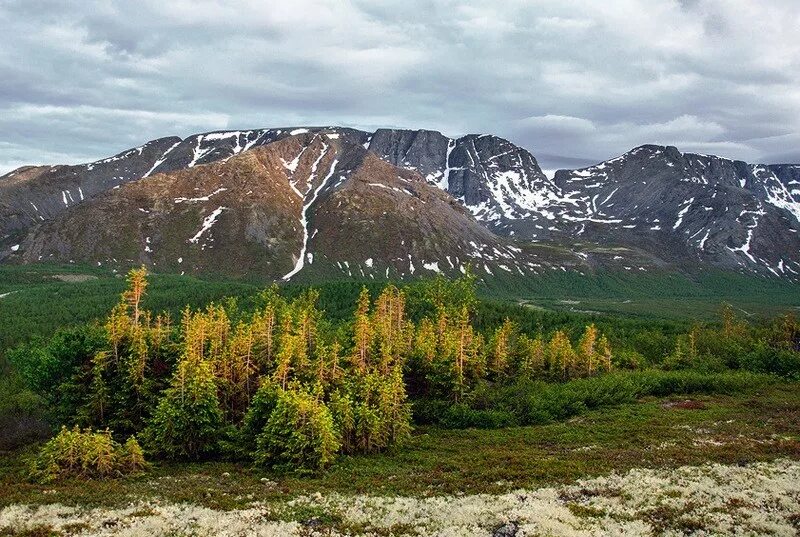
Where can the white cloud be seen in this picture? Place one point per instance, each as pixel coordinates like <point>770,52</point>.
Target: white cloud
<point>563,24</point>
<point>580,78</point>
<point>555,123</point>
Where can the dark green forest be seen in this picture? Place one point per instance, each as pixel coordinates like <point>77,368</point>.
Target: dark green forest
<point>290,378</point>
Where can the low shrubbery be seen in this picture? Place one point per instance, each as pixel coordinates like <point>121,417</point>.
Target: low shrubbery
<point>299,434</point>
<point>530,402</point>
<point>86,453</point>
<point>21,411</point>
<point>461,416</point>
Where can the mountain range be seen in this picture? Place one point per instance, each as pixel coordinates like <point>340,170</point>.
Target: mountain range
<point>293,202</point>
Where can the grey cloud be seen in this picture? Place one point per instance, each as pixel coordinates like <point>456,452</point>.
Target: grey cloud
<point>575,82</point>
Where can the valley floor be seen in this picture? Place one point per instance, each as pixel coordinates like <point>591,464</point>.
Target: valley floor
<point>659,466</point>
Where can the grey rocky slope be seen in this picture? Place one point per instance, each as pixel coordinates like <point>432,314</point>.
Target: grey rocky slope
<point>688,207</point>
<point>678,208</point>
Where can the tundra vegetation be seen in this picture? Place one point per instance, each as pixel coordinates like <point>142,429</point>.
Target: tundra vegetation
<point>181,411</point>
<point>288,387</point>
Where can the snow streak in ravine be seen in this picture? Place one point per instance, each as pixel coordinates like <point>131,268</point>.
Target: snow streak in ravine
<point>304,214</point>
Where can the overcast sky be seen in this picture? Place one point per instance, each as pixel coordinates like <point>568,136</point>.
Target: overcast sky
<point>574,81</point>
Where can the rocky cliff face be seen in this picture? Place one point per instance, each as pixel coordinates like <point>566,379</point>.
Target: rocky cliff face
<point>404,199</point>
<point>495,179</point>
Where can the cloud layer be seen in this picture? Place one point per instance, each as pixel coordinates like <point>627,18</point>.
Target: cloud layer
<point>574,81</point>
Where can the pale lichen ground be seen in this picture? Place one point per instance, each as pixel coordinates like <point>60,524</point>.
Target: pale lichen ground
<point>757,499</point>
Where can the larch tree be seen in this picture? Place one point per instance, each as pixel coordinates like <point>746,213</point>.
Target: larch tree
<point>531,356</point>
<point>285,354</point>
<point>391,330</point>
<point>501,346</point>
<point>587,355</point>
<point>362,332</point>
<point>604,354</point>
<point>425,341</point>
<point>560,355</point>
<point>137,285</point>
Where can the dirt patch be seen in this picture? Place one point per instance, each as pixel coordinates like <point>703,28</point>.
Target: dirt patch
<point>74,278</point>
<point>686,404</point>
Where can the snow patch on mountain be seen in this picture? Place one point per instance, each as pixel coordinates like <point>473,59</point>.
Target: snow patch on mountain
<point>208,221</point>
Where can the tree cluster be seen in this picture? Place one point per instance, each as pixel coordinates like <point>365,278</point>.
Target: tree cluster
<point>451,357</point>
<point>282,383</point>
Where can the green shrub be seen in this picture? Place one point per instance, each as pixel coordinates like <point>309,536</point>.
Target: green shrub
<point>627,359</point>
<point>529,402</point>
<point>22,411</point>
<point>660,383</point>
<point>258,413</point>
<point>188,422</point>
<point>764,359</point>
<point>56,369</point>
<point>561,401</point>
<point>299,434</point>
<point>132,457</point>
<point>86,453</point>
<point>427,411</point>
<point>460,416</point>
<point>343,412</point>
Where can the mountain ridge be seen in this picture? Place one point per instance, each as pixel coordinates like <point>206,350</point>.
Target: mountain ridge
<point>683,208</point>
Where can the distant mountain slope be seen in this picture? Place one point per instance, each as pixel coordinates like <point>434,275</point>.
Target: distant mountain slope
<point>691,208</point>
<point>34,194</point>
<point>653,206</point>
<point>311,201</point>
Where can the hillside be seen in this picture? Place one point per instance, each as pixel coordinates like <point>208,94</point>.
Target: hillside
<point>322,201</point>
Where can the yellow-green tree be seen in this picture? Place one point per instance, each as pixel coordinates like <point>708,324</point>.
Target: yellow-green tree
<point>391,330</point>
<point>362,333</point>
<point>501,349</point>
<point>531,357</point>
<point>587,353</point>
<point>604,354</point>
<point>560,355</point>
<point>425,341</point>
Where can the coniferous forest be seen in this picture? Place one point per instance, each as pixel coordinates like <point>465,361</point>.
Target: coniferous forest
<point>287,387</point>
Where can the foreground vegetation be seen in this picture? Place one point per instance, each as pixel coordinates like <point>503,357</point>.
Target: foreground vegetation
<point>280,405</point>
<point>289,388</point>
<point>655,432</point>
<point>283,385</point>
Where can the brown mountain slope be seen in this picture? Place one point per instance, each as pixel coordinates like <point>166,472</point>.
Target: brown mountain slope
<point>34,194</point>
<point>308,203</point>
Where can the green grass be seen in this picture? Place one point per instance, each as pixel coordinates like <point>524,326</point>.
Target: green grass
<point>758,425</point>
<point>670,295</point>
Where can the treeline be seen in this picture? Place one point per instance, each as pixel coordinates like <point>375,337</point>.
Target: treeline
<point>730,355</point>
<point>733,343</point>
